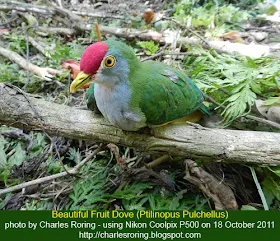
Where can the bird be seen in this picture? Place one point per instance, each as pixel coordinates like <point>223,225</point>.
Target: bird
<point>132,94</point>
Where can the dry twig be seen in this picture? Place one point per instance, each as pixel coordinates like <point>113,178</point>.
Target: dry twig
<point>73,171</point>
<point>45,73</point>
<point>168,53</point>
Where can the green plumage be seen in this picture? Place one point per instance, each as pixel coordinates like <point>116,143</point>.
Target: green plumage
<point>91,103</point>
<point>167,93</point>
<point>159,93</point>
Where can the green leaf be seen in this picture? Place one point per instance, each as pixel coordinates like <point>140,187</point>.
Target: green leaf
<point>256,87</point>
<point>38,144</point>
<point>248,207</point>
<point>3,156</point>
<point>275,170</point>
<point>149,47</point>
<point>272,101</point>
<point>273,184</point>
<point>267,8</point>
<point>208,14</point>
<point>269,196</point>
<point>241,78</point>
<point>132,191</point>
<point>175,203</point>
<point>74,155</point>
<point>18,157</point>
<point>134,204</point>
<point>238,103</point>
<point>250,63</point>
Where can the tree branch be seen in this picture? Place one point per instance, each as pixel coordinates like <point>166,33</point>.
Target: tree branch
<point>198,143</point>
<point>251,50</point>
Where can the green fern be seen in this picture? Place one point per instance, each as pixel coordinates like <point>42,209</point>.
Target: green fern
<point>135,203</point>
<point>239,102</point>
<point>89,192</point>
<point>243,78</point>
<point>149,47</point>
<point>177,201</point>
<point>133,190</point>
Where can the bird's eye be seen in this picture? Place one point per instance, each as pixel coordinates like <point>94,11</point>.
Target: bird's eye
<point>109,61</point>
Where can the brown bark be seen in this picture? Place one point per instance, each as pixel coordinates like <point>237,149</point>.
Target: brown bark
<point>17,109</point>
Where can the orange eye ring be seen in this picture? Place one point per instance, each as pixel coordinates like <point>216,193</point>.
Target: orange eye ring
<point>109,62</point>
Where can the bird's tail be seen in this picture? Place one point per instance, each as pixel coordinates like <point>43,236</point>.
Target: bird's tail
<point>204,109</point>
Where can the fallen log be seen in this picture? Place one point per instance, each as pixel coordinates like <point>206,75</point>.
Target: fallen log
<point>221,145</point>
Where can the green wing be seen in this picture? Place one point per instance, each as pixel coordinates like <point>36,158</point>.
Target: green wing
<point>90,99</point>
<point>168,94</point>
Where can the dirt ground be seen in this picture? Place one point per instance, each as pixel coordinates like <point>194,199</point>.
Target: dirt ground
<point>116,6</point>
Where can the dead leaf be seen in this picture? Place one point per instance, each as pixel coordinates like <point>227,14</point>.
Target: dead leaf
<point>221,194</point>
<point>233,36</point>
<point>72,65</point>
<point>148,16</point>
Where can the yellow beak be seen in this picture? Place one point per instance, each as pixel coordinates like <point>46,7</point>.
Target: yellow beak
<point>81,79</point>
